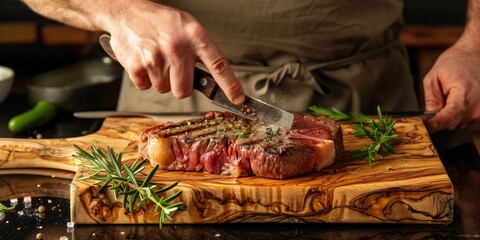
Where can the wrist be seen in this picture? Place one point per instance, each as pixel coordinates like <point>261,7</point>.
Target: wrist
<point>124,13</point>
<point>109,13</point>
<point>470,37</point>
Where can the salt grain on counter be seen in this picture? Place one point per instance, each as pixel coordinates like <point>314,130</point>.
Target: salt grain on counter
<point>63,238</point>
<point>13,201</point>
<point>27,201</point>
<point>70,224</point>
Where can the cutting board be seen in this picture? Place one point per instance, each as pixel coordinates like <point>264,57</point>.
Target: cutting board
<point>410,186</point>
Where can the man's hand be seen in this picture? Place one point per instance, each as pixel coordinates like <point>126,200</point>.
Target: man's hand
<point>452,87</point>
<point>157,45</point>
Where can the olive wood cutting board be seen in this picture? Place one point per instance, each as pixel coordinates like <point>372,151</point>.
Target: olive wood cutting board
<point>410,186</point>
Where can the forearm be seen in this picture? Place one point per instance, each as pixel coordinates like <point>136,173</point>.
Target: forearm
<point>156,44</point>
<point>90,15</point>
<point>471,34</point>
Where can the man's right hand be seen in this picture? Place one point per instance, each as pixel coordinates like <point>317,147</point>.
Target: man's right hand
<point>157,45</point>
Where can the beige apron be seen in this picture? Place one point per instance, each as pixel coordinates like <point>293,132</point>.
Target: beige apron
<point>297,53</point>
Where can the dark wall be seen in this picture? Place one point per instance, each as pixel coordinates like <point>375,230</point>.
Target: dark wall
<point>41,56</point>
<point>435,12</point>
<point>424,12</point>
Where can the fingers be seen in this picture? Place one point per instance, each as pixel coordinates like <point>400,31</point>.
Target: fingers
<point>218,65</point>
<point>433,101</point>
<point>451,115</point>
<point>132,60</point>
<point>139,77</point>
<point>181,75</point>
<point>433,94</point>
<point>157,74</point>
<point>449,103</point>
<point>137,73</point>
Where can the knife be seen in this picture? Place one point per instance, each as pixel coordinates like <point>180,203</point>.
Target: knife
<point>252,108</point>
<point>162,117</point>
<point>424,115</point>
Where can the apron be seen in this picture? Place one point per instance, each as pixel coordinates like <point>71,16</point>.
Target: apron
<point>298,53</point>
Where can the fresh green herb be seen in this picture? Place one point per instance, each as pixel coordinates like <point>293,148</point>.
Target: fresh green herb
<point>221,132</point>
<point>277,132</point>
<point>109,171</point>
<point>4,208</point>
<point>379,132</point>
<point>270,133</point>
<point>339,116</point>
<point>243,132</point>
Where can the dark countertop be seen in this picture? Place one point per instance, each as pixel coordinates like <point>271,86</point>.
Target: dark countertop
<point>456,150</point>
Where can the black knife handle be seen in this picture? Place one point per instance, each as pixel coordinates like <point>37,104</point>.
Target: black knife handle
<point>204,83</point>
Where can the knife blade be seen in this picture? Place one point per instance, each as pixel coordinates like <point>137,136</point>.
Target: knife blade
<point>424,115</point>
<point>161,117</point>
<point>252,108</point>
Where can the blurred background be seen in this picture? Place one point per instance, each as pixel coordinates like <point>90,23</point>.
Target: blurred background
<point>32,44</point>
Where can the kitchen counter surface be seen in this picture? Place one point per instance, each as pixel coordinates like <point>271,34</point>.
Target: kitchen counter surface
<point>456,149</point>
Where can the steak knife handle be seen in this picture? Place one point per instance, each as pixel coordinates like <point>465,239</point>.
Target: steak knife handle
<point>204,83</point>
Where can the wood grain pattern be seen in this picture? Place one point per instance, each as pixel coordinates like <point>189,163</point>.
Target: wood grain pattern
<point>410,186</point>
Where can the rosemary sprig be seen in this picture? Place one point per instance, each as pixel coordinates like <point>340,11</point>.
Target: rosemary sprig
<point>4,208</point>
<point>111,173</point>
<point>339,116</point>
<point>363,126</point>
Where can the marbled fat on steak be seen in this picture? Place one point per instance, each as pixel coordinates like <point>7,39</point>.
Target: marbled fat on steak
<point>224,143</point>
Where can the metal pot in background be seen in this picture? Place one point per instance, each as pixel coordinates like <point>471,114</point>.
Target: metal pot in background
<point>85,86</point>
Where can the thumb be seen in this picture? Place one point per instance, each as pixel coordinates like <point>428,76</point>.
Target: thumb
<point>433,101</point>
<point>433,95</point>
